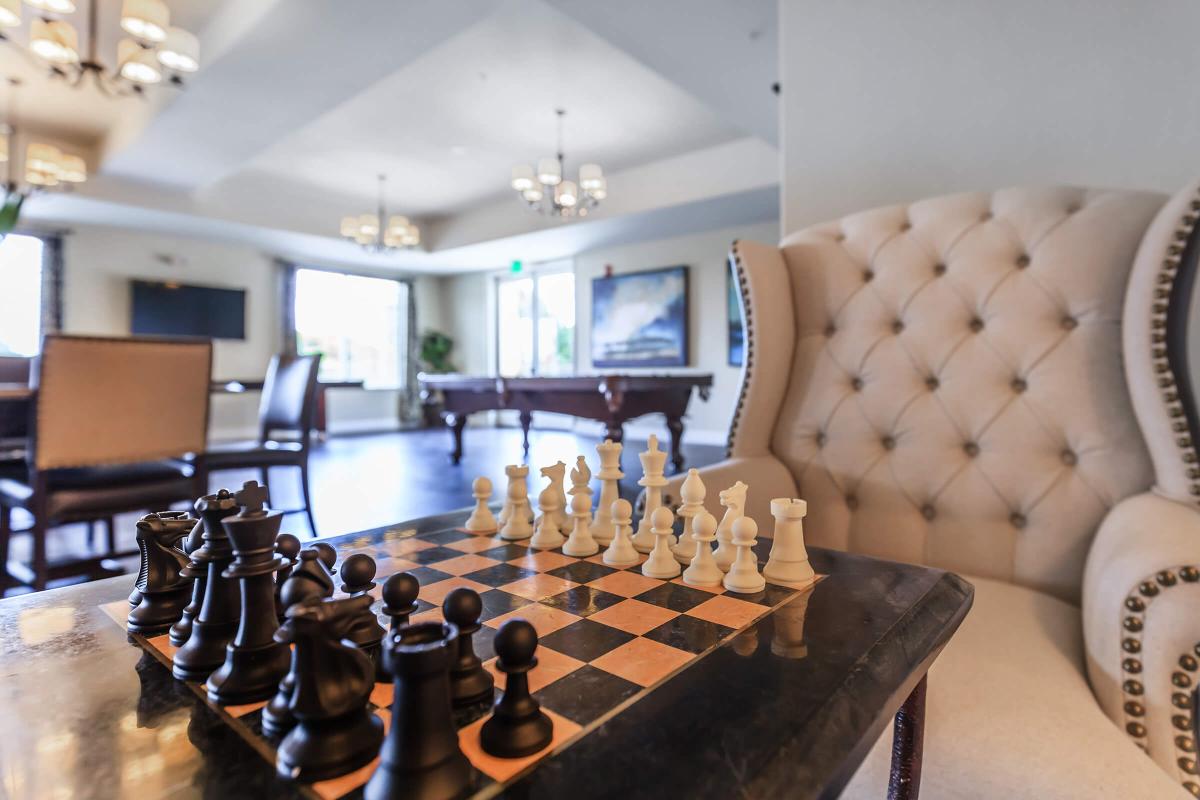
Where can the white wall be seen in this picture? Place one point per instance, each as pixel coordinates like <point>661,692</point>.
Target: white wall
<point>886,102</point>
<point>471,320</point>
<point>99,262</point>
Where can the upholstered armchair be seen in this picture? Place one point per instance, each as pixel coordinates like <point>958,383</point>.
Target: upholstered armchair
<point>997,384</point>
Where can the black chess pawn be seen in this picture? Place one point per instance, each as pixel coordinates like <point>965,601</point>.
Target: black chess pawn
<point>400,599</point>
<point>198,572</point>
<point>328,555</point>
<point>470,683</point>
<point>287,546</point>
<point>216,623</point>
<point>358,573</point>
<point>518,727</point>
<point>162,588</point>
<point>254,662</point>
<point>277,717</point>
<point>335,733</point>
<point>421,759</point>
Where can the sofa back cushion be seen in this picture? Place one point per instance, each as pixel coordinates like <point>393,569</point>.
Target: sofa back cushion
<point>957,395</point>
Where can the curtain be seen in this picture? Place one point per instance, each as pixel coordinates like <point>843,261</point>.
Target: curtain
<point>52,284</point>
<point>410,400</point>
<point>287,305</point>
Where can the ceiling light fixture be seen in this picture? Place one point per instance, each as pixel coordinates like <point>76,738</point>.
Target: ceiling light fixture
<point>152,53</point>
<point>379,233</point>
<point>545,191</point>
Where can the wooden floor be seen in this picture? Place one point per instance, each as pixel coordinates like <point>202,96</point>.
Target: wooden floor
<point>364,481</point>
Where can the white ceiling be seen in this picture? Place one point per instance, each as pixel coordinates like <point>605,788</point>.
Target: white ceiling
<point>299,105</point>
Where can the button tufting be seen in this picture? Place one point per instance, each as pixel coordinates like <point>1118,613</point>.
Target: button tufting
<point>830,330</point>
<point>820,439</point>
<point>1022,261</point>
<point>932,383</point>
<point>906,226</point>
<point>1069,458</point>
<point>1073,209</point>
<point>976,324</point>
<point>1019,385</point>
<point>939,269</point>
<point>888,442</point>
<point>868,275</point>
<point>851,502</point>
<point>897,326</point>
<point>841,237</point>
<point>1069,323</point>
<point>856,384</point>
<point>987,215</point>
<point>971,449</point>
<point>928,512</point>
<point>1017,520</point>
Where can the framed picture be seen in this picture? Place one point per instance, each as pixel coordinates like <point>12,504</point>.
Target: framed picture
<point>737,332</point>
<point>640,319</point>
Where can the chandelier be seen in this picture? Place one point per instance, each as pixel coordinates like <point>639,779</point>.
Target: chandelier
<point>545,191</point>
<point>379,233</point>
<point>41,167</point>
<point>152,52</point>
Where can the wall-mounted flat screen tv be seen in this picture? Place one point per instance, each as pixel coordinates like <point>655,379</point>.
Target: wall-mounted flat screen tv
<point>176,309</point>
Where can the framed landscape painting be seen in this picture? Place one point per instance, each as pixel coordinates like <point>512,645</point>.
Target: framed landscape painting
<point>640,319</point>
<point>737,333</point>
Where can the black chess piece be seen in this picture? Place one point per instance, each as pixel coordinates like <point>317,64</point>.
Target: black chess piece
<point>163,591</point>
<point>254,661</point>
<point>287,546</point>
<point>217,622</point>
<point>335,732</point>
<point>189,545</point>
<point>277,718</point>
<point>400,599</point>
<point>470,683</point>
<point>358,573</point>
<point>328,555</point>
<point>310,565</point>
<point>421,759</point>
<point>518,727</point>
<point>198,572</point>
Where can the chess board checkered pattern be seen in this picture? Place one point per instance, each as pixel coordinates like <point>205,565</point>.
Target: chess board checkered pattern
<point>607,634</point>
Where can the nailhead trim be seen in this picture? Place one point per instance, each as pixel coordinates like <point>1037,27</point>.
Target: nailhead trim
<point>748,349</point>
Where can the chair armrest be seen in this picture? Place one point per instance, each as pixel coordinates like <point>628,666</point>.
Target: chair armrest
<point>766,476</point>
<point>1141,617</point>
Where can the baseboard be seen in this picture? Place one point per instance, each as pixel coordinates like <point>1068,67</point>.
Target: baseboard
<point>383,425</point>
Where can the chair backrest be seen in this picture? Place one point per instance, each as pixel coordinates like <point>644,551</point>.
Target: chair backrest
<point>120,401</point>
<point>945,379</point>
<point>289,395</point>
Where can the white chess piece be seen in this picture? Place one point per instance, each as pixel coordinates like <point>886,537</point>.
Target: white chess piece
<point>620,552</point>
<point>557,474</point>
<point>653,462</point>
<point>788,562</point>
<point>734,501</point>
<point>661,563</point>
<point>580,543</point>
<point>692,492</point>
<point>547,536</point>
<point>603,528</point>
<point>703,569</point>
<point>517,526</point>
<point>743,576</point>
<point>481,519</point>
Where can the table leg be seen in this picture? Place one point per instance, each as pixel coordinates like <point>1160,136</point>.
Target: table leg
<point>319,421</point>
<point>675,426</point>
<point>456,423</point>
<point>526,421</point>
<point>908,736</point>
<point>614,431</point>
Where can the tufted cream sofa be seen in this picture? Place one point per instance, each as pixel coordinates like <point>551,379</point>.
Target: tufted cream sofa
<point>996,384</point>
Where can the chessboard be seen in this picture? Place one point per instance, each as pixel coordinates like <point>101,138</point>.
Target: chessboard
<point>608,636</point>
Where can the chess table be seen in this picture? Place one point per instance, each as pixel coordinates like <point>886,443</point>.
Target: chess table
<point>657,689</point>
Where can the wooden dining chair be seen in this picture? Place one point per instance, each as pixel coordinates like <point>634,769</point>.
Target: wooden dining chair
<point>285,419</point>
<point>115,420</point>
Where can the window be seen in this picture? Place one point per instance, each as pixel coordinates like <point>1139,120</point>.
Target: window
<point>21,277</point>
<point>544,348</point>
<point>359,325</point>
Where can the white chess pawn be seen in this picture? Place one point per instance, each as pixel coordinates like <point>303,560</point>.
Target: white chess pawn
<point>481,519</point>
<point>620,552</point>
<point>603,528</point>
<point>654,461</point>
<point>547,536</point>
<point>661,563</point>
<point>703,570</point>
<point>518,524</point>
<point>692,492</point>
<point>743,576</point>
<point>788,562</point>
<point>734,501</point>
<point>580,543</point>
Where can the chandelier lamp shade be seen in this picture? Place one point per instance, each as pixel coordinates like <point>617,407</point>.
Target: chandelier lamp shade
<point>544,190</point>
<point>151,52</point>
<point>381,232</point>
<point>30,166</point>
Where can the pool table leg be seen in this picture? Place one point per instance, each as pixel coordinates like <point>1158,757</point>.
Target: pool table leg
<point>455,422</point>
<point>908,735</point>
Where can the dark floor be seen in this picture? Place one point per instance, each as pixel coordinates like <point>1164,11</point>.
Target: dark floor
<point>365,481</point>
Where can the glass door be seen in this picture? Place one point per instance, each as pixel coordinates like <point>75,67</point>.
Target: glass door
<point>547,348</point>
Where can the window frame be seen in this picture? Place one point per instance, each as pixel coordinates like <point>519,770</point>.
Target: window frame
<point>533,273</point>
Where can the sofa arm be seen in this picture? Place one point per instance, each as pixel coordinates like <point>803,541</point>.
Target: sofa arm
<point>1141,616</point>
<point>766,476</point>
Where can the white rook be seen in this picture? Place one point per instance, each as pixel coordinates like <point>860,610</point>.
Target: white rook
<point>788,562</point>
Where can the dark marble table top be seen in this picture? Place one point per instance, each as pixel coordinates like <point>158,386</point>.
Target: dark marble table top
<point>789,708</point>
